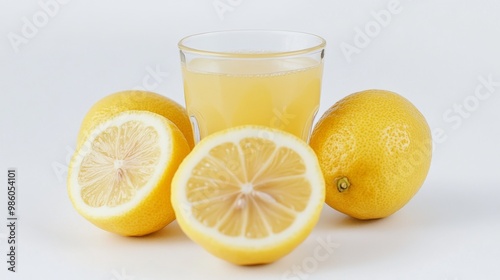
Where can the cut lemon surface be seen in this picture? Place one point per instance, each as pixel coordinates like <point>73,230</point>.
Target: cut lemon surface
<point>249,194</point>
<point>119,179</point>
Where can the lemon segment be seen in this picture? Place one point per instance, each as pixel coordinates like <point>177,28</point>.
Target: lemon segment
<point>249,194</point>
<point>119,179</point>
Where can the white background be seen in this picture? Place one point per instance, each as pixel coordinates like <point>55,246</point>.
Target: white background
<point>431,52</point>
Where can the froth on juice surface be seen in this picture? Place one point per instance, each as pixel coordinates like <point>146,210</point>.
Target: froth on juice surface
<point>280,93</point>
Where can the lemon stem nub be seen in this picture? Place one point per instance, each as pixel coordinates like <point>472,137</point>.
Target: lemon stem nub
<point>342,184</point>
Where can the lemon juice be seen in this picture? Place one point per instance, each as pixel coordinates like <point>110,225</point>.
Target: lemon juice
<point>279,93</point>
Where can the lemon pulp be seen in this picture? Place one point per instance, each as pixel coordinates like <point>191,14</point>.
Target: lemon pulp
<point>255,201</point>
<point>121,161</point>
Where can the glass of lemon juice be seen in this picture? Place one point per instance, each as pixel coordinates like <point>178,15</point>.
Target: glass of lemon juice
<point>269,78</point>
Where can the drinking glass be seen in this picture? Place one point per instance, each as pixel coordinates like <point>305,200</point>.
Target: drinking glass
<point>257,77</point>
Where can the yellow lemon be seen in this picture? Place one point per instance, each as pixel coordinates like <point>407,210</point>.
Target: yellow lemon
<point>374,148</point>
<point>119,179</point>
<point>249,194</point>
<point>118,102</point>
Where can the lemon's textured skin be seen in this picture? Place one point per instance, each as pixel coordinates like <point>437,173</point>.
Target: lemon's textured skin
<point>244,255</point>
<point>127,100</point>
<point>381,144</point>
<point>155,211</point>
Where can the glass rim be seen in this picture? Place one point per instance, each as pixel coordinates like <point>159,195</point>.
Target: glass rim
<point>316,47</point>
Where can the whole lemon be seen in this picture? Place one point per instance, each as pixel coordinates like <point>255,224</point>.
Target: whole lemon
<point>375,150</point>
<point>128,100</point>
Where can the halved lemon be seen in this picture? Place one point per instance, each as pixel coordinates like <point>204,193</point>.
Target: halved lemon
<point>119,179</point>
<point>249,194</point>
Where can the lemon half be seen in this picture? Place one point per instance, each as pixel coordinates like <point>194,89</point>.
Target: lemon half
<point>119,179</point>
<point>249,194</point>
